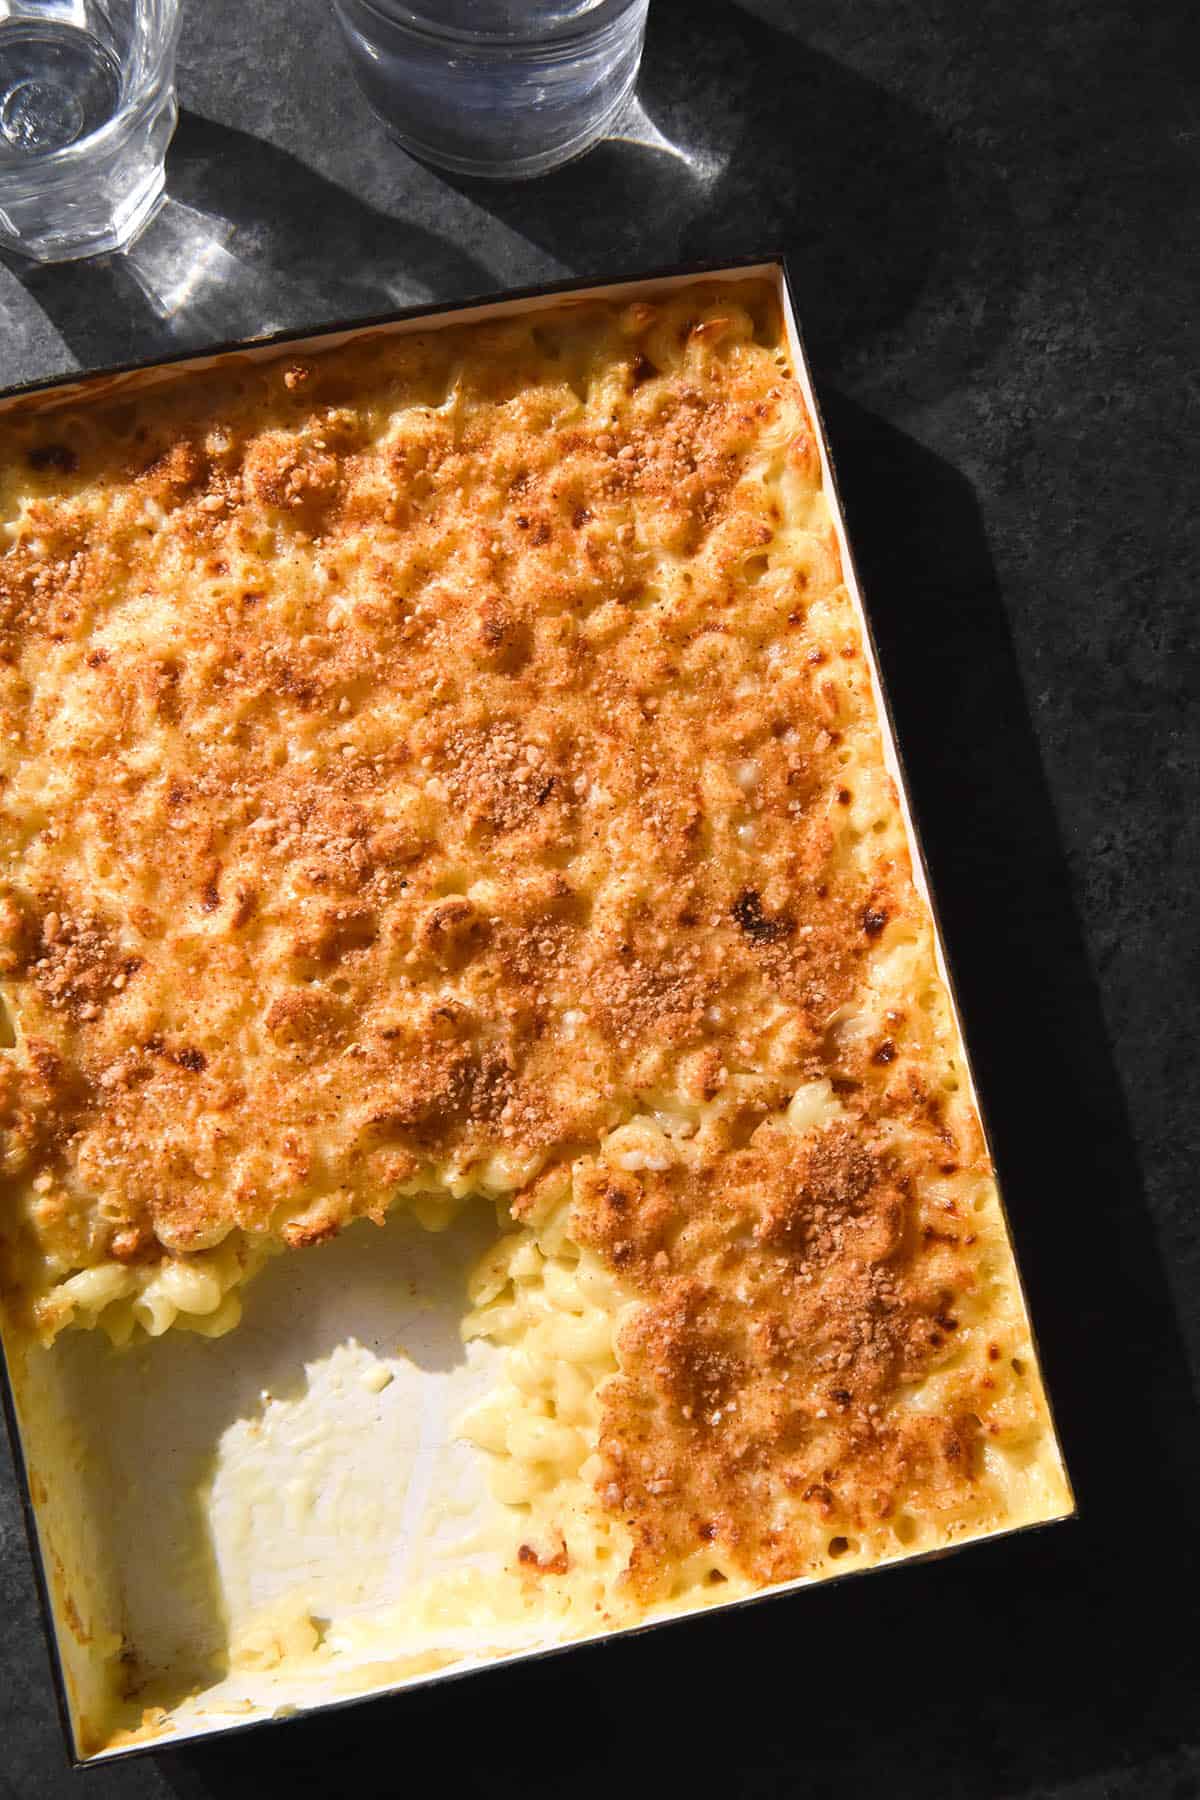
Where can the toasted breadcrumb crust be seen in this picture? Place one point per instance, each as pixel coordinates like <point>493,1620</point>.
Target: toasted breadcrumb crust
<point>422,759</point>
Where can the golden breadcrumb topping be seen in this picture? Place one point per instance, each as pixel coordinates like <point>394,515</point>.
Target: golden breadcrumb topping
<point>420,762</point>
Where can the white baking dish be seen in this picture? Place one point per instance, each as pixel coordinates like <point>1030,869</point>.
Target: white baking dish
<point>190,1493</point>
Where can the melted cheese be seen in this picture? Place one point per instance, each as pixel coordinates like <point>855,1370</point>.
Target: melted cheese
<point>449,766</point>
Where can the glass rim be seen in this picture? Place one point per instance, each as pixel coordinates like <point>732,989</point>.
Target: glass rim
<point>570,32</point>
<point>36,168</point>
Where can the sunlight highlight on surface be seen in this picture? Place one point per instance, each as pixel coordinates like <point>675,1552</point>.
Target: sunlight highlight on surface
<point>635,126</point>
<point>201,289</point>
<point>195,284</point>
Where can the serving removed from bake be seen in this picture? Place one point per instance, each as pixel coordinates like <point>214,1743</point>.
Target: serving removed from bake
<point>448,771</point>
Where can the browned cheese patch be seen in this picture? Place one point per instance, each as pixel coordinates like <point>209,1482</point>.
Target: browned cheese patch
<point>438,751</point>
<point>796,1290</point>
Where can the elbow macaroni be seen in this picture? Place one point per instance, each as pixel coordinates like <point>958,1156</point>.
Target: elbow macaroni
<point>560,869</point>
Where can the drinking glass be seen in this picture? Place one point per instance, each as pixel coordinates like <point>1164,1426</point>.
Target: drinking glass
<point>87,108</point>
<point>495,87</point>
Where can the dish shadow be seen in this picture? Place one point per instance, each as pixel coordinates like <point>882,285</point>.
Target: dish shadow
<point>250,240</point>
<point>745,140</point>
<point>1032,1660</point>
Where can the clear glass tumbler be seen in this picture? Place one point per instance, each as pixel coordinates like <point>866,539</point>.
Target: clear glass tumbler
<point>495,87</point>
<point>87,108</point>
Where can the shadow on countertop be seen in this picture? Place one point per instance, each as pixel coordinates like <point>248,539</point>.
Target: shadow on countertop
<point>1015,1666</point>
<point>251,240</point>
<point>745,140</point>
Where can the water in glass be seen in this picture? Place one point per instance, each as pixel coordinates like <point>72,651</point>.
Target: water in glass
<point>87,108</point>
<point>495,87</point>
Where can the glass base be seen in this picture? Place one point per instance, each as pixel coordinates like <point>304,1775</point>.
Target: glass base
<point>119,234</point>
<point>517,168</point>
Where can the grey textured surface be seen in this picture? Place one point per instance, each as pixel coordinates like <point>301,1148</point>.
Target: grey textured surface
<point>989,212</point>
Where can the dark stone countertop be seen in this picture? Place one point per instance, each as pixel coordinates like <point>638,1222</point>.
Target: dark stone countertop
<point>990,216</point>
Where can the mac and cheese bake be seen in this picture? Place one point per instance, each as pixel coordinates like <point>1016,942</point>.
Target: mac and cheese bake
<point>448,767</point>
